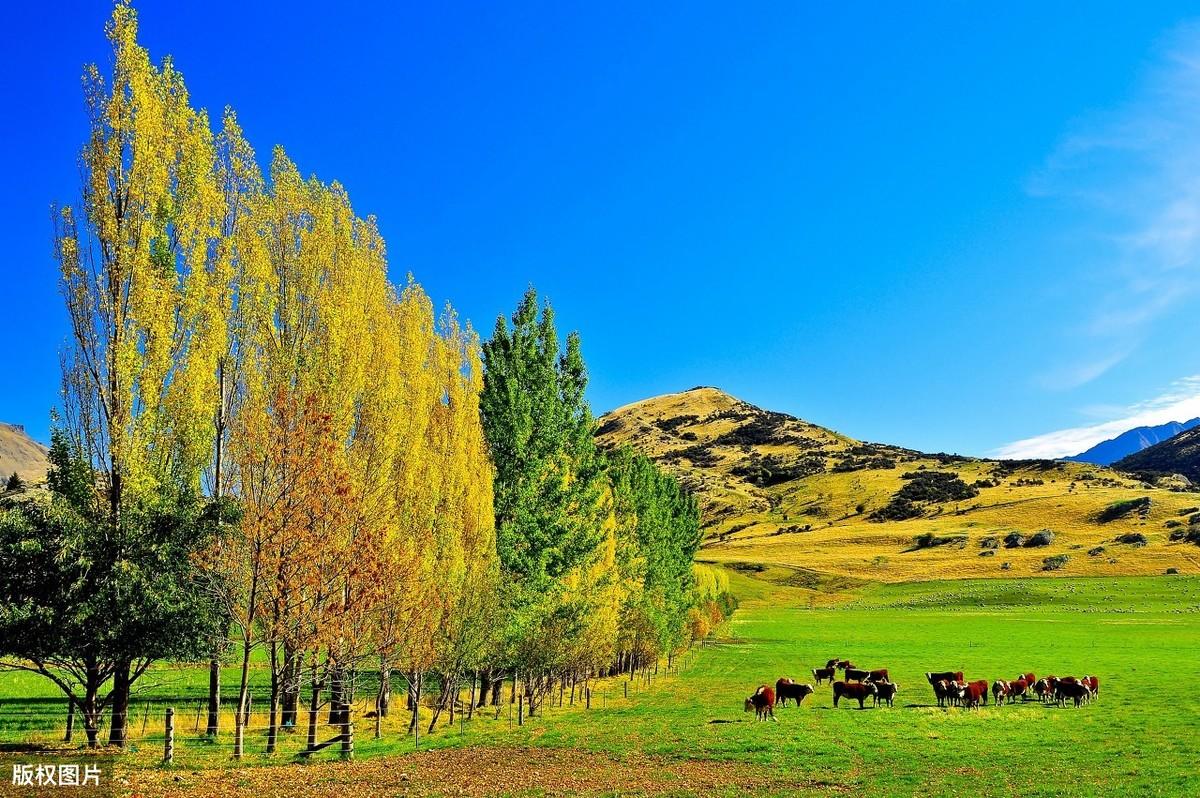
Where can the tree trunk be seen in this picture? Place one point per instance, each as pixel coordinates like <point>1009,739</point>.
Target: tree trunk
<point>119,698</point>
<point>290,689</point>
<point>383,699</point>
<point>273,719</point>
<point>214,697</point>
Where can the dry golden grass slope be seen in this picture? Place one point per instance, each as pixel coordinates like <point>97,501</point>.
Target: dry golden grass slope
<point>21,454</point>
<point>804,502</point>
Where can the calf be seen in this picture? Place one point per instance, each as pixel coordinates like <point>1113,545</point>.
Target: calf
<point>762,702</point>
<point>880,675</point>
<point>999,690</point>
<point>824,674</point>
<point>943,690</point>
<point>856,674</point>
<point>971,694</point>
<point>885,692</point>
<point>860,692</point>
<point>786,688</point>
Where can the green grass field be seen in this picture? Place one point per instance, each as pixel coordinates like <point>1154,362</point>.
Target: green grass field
<point>1142,737</point>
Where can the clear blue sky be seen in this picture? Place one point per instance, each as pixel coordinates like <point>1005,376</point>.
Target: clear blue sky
<point>941,227</point>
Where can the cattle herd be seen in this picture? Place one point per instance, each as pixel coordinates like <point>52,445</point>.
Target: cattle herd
<point>949,687</point>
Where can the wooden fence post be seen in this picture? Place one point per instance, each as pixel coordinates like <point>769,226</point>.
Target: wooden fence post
<point>520,710</point>
<point>169,744</point>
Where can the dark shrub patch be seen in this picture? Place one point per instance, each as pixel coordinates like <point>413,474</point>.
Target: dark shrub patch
<point>987,553</point>
<point>1055,562</point>
<point>1013,540</point>
<point>896,510</point>
<point>1043,538</point>
<point>923,487</point>
<point>1006,566</point>
<point>989,543</point>
<point>929,540</point>
<point>1189,534</point>
<point>1096,552</point>
<point>673,424</point>
<point>612,425</point>
<point>771,470</point>
<point>1120,509</point>
<point>1132,538</point>
<point>1173,523</point>
<point>1172,571</point>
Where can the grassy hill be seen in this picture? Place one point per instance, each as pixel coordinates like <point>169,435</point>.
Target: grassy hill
<point>818,508</point>
<point>22,454</point>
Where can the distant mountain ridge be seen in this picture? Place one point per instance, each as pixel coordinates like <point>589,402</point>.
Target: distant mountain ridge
<point>21,454</point>
<point>1132,441</point>
<point>1176,455</point>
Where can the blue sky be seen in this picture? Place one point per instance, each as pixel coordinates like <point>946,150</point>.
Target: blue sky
<point>943,227</point>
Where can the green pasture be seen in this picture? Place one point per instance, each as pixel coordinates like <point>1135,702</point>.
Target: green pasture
<point>1141,636</point>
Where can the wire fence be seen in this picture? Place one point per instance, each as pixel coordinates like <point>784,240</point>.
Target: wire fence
<point>179,723</point>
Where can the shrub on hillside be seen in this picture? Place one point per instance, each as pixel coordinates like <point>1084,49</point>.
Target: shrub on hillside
<point>1172,571</point>
<point>1189,534</point>
<point>989,542</point>
<point>1014,540</point>
<point>1123,508</point>
<point>923,487</point>
<point>1132,538</point>
<point>987,553</point>
<point>1055,562</point>
<point>929,540</point>
<point>1043,538</point>
<point>1096,552</point>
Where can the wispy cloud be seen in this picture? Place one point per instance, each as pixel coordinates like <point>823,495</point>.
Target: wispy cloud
<point>1180,402</point>
<point>1138,168</point>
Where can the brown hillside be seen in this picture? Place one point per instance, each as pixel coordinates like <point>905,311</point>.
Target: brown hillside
<point>22,454</point>
<point>777,490</point>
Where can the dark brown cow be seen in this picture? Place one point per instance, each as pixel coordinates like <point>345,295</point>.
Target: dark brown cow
<point>824,674</point>
<point>762,702</point>
<point>971,694</point>
<point>1074,690</point>
<point>786,688</point>
<point>885,692</point>
<point>944,690</point>
<point>879,675</point>
<point>1043,688</point>
<point>983,689</point>
<point>856,674</point>
<point>843,664</point>
<point>859,692</point>
<point>1017,689</point>
<point>950,676</point>
<point>833,662</point>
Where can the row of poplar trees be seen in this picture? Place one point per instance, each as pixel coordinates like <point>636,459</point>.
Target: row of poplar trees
<point>263,444</point>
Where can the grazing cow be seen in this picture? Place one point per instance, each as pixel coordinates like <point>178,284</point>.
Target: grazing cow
<point>824,674</point>
<point>1092,683</point>
<point>1028,678</point>
<point>762,702</point>
<point>1043,688</point>
<point>983,689</point>
<point>860,692</point>
<point>880,675</point>
<point>833,662</point>
<point>971,694</point>
<point>1000,689</point>
<point>856,674</point>
<point>943,690</point>
<point>1017,689</point>
<point>885,692</point>
<point>843,664</point>
<point>950,676</point>
<point>1073,690</point>
<point>786,688</point>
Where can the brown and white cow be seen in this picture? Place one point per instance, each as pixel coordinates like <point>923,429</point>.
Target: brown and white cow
<point>843,664</point>
<point>878,675</point>
<point>1043,688</point>
<point>859,691</point>
<point>950,676</point>
<point>824,674</point>
<point>885,692</point>
<point>1000,690</point>
<point>1028,678</point>
<point>973,693</point>
<point>786,688</point>
<point>762,702</point>
<point>1092,683</point>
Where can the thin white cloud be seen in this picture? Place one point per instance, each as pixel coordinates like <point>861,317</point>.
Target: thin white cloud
<point>1180,402</point>
<point>1138,168</point>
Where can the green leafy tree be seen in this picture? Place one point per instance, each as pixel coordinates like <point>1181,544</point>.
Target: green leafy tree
<point>548,480</point>
<point>91,611</point>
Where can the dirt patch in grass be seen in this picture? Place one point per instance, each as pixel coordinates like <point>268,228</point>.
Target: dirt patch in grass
<point>480,772</point>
